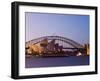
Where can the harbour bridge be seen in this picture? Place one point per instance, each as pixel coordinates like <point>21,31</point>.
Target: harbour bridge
<point>51,44</point>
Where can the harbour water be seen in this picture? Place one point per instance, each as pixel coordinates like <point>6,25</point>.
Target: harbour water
<point>36,62</point>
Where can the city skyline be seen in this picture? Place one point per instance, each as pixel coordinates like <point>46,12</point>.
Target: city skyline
<point>75,27</point>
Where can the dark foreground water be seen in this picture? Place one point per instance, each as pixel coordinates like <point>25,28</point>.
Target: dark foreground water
<point>33,62</point>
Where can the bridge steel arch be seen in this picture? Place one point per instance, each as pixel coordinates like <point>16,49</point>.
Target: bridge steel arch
<point>60,38</point>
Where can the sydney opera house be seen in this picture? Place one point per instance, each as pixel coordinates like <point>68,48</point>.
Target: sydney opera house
<point>44,47</point>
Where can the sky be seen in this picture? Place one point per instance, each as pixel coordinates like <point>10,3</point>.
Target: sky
<point>75,27</point>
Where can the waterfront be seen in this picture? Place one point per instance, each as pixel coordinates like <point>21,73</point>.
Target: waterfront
<point>36,62</point>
